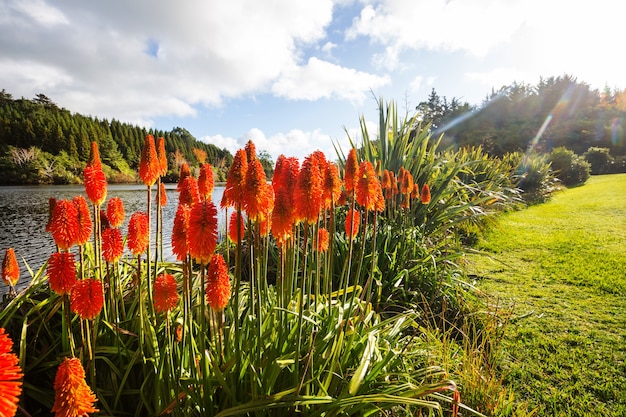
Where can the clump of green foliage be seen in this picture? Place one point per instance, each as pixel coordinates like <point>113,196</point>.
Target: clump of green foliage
<point>570,169</point>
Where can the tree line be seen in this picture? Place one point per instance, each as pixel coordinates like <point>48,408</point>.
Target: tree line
<point>43,143</point>
<point>557,112</point>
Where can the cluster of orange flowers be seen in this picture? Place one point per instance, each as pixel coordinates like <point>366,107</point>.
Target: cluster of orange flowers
<point>10,376</point>
<point>303,194</point>
<point>194,235</point>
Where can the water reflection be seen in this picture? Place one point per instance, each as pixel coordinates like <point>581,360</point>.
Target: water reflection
<point>24,214</point>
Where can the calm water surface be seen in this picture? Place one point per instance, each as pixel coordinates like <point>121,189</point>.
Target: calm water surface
<point>24,214</point>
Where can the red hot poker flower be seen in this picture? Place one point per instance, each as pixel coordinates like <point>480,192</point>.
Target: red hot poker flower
<point>309,190</point>
<point>205,181</point>
<point>258,198</point>
<point>87,298</point>
<point>218,284</point>
<point>250,151</point>
<point>322,240</point>
<point>369,193</point>
<point>179,232</point>
<point>165,294</point>
<point>94,157</point>
<point>189,193</point>
<point>61,272</point>
<point>10,377</point>
<point>162,156</point>
<point>112,245</point>
<point>161,197</point>
<point>350,177</point>
<point>64,224</point>
<point>10,268</point>
<point>138,233</point>
<point>236,181</point>
<point>149,167</point>
<point>115,212</point>
<point>425,194</point>
<point>233,227</point>
<point>84,220</point>
<point>72,395</point>
<point>353,218</point>
<point>184,173</point>
<point>283,215</point>
<point>332,185</point>
<point>95,185</point>
<point>202,232</point>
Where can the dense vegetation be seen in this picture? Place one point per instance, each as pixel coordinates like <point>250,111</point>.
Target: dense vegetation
<point>42,143</point>
<point>557,112</point>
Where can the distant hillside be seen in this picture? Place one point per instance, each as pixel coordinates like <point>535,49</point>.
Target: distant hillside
<point>41,143</point>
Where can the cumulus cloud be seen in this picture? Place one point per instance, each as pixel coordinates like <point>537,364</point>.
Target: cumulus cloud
<point>322,79</point>
<point>145,59</point>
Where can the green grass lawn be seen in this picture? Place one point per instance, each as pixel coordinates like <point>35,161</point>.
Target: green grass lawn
<point>561,266</point>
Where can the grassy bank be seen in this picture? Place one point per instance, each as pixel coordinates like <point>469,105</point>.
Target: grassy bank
<point>561,266</point>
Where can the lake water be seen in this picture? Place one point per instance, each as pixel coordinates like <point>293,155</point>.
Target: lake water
<point>24,214</point>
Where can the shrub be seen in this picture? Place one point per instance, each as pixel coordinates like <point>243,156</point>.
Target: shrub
<point>533,175</point>
<point>600,160</point>
<point>570,168</point>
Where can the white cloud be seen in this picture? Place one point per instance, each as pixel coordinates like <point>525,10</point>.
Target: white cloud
<point>144,59</point>
<point>475,26</point>
<point>322,79</point>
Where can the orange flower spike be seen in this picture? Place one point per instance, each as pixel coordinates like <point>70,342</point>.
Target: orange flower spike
<point>162,156</point>
<point>202,232</point>
<point>217,284</point>
<point>115,212</point>
<point>282,215</point>
<point>189,193</point>
<point>85,225</point>
<point>279,172</point>
<point>10,376</point>
<point>232,227</point>
<point>95,185</point>
<point>425,194</point>
<point>165,293</point>
<point>332,185</point>
<point>368,190</point>
<point>94,157</point>
<point>250,149</point>
<point>256,196</point>
<point>112,245</point>
<point>386,181</point>
<point>309,191</point>
<point>72,395</point>
<point>61,272</point>
<point>235,181</point>
<point>416,191</point>
<point>149,166</point>
<point>407,183</point>
<point>205,181</point>
<point>138,233</point>
<point>179,232</point>
<point>353,218</point>
<point>184,173</point>
<point>322,240</point>
<point>161,197</point>
<point>87,298</point>
<point>64,224</point>
<point>350,177</point>
<point>10,268</point>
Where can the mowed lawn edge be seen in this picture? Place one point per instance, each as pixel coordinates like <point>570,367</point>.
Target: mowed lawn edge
<point>561,267</point>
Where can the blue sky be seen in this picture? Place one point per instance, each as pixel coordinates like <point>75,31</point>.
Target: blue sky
<point>293,75</point>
